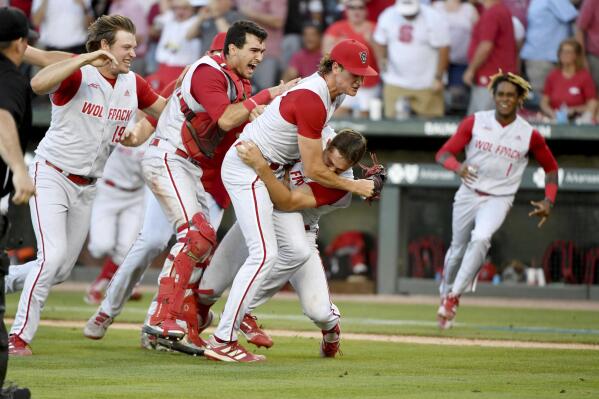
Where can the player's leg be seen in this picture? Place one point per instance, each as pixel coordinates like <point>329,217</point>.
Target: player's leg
<point>49,212</point>
<point>151,241</point>
<point>253,209</point>
<point>176,184</point>
<point>489,218</point>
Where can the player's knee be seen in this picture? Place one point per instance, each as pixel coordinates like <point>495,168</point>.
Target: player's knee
<point>99,249</point>
<point>481,237</point>
<point>202,239</point>
<point>296,253</point>
<point>54,260</point>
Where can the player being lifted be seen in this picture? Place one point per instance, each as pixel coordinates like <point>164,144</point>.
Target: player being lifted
<point>497,144</point>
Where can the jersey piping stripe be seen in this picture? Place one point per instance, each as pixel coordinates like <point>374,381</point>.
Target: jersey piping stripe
<point>328,289</point>
<point>39,226</point>
<point>263,257</point>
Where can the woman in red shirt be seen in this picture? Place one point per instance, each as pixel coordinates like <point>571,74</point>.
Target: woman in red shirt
<point>569,91</point>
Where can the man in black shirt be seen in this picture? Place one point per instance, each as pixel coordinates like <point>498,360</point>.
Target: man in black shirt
<point>15,118</point>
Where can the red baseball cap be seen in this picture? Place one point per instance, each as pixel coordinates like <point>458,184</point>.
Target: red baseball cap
<point>354,56</point>
<point>218,43</point>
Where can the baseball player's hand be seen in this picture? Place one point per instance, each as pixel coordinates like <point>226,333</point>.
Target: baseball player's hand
<point>282,87</point>
<point>467,173</point>
<point>542,210</point>
<point>256,112</point>
<point>100,58</point>
<point>364,188</point>
<point>24,187</point>
<point>250,154</point>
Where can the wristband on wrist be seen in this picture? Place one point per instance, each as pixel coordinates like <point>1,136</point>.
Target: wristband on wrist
<point>263,97</point>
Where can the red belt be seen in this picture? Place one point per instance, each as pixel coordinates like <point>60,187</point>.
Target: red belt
<point>79,180</point>
<point>110,183</point>
<point>178,152</point>
<point>481,193</point>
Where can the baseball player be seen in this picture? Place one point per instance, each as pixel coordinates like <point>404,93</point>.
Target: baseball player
<point>341,152</point>
<point>497,144</point>
<point>289,129</point>
<point>94,96</point>
<point>156,231</point>
<point>206,110</point>
<point>117,215</point>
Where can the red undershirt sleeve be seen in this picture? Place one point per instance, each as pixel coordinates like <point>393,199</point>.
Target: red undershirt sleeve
<point>325,195</point>
<point>209,88</point>
<point>146,96</point>
<point>67,88</point>
<point>305,109</point>
<point>456,144</point>
<point>543,155</point>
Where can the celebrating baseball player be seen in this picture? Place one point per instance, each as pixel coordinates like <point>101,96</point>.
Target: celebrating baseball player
<point>497,144</point>
<point>117,215</point>
<point>94,96</point>
<point>289,129</point>
<point>341,152</point>
<point>212,102</point>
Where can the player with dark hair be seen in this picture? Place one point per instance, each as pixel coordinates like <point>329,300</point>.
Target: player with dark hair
<point>497,144</point>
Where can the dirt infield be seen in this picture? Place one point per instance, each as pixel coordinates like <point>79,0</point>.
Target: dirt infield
<point>401,339</point>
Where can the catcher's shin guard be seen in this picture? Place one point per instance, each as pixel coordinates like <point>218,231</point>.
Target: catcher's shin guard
<point>166,290</point>
<point>190,316</point>
<point>198,247</point>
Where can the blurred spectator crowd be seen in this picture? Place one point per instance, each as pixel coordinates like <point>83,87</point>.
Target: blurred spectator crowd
<point>435,57</point>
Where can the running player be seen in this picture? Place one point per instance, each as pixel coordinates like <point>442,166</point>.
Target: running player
<point>94,96</point>
<point>289,129</point>
<point>497,144</point>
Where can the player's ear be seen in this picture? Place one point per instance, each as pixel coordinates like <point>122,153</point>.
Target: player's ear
<point>104,45</point>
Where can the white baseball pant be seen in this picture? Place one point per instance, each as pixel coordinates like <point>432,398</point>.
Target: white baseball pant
<point>60,212</point>
<point>309,280</point>
<point>116,218</point>
<point>475,219</point>
<point>254,212</point>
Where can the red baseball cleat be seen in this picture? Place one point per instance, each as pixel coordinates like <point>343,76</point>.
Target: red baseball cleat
<point>331,340</point>
<point>18,347</point>
<point>253,333</point>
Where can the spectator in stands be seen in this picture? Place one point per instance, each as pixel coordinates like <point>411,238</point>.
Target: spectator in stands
<point>62,23</point>
<point>518,9</point>
<point>354,26</point>
<point>156,9</point>
<point>376,7</point>
<point>570,92</point>
<point>548,24</point>
<point>175,51</point>
<point>135,11</point>
<point>305,62</point>
<point>270,15</point>
<point>492,47</point>
<point>587,34</point>
<point>461,17</point>
<point>299,14</point>
<point>212,19</point>
<point>411,42</point>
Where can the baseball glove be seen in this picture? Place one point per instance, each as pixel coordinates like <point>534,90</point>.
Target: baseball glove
<point>377,174</point>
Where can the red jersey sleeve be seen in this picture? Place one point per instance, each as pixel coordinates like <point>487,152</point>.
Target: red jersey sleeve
<point>456,144</point>
<point>209,88</point>
<point>325,195</point>
<point>541,152</point>
<point>146,96</point>
<point>67,89</point>
<point>305,109</point>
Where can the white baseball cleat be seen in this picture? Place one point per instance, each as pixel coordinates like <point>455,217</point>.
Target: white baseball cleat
<point>97,325</point>
<point>230,352</point>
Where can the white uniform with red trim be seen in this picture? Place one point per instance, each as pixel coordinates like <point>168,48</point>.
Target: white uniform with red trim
<point>309,280</point>
<point>500,155</point>
<point>277,139</point>
<point>81,136</point>
<point>117,212</point>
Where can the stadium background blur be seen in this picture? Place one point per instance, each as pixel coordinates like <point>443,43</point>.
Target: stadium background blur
<point>411,227</point>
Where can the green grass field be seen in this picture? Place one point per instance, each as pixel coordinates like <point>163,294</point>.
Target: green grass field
<point>67,365</point>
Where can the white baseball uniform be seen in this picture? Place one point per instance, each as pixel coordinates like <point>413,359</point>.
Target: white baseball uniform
<point>275,132</point>
<point>89,115</point>
<point>309,280</point>
<point>499,154</point>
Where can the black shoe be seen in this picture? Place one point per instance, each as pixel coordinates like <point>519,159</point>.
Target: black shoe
<point>14,392</point>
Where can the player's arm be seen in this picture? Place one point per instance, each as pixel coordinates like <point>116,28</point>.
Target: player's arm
<point>281,196</point>
<point>11,153</point>
<point>156,108</point>
<point>446,156</point>
<point>43,58</point>
<point>545,158</point>
<point>46,80</point>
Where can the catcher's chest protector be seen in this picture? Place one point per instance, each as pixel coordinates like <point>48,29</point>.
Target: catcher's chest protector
<point>199,133</point>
